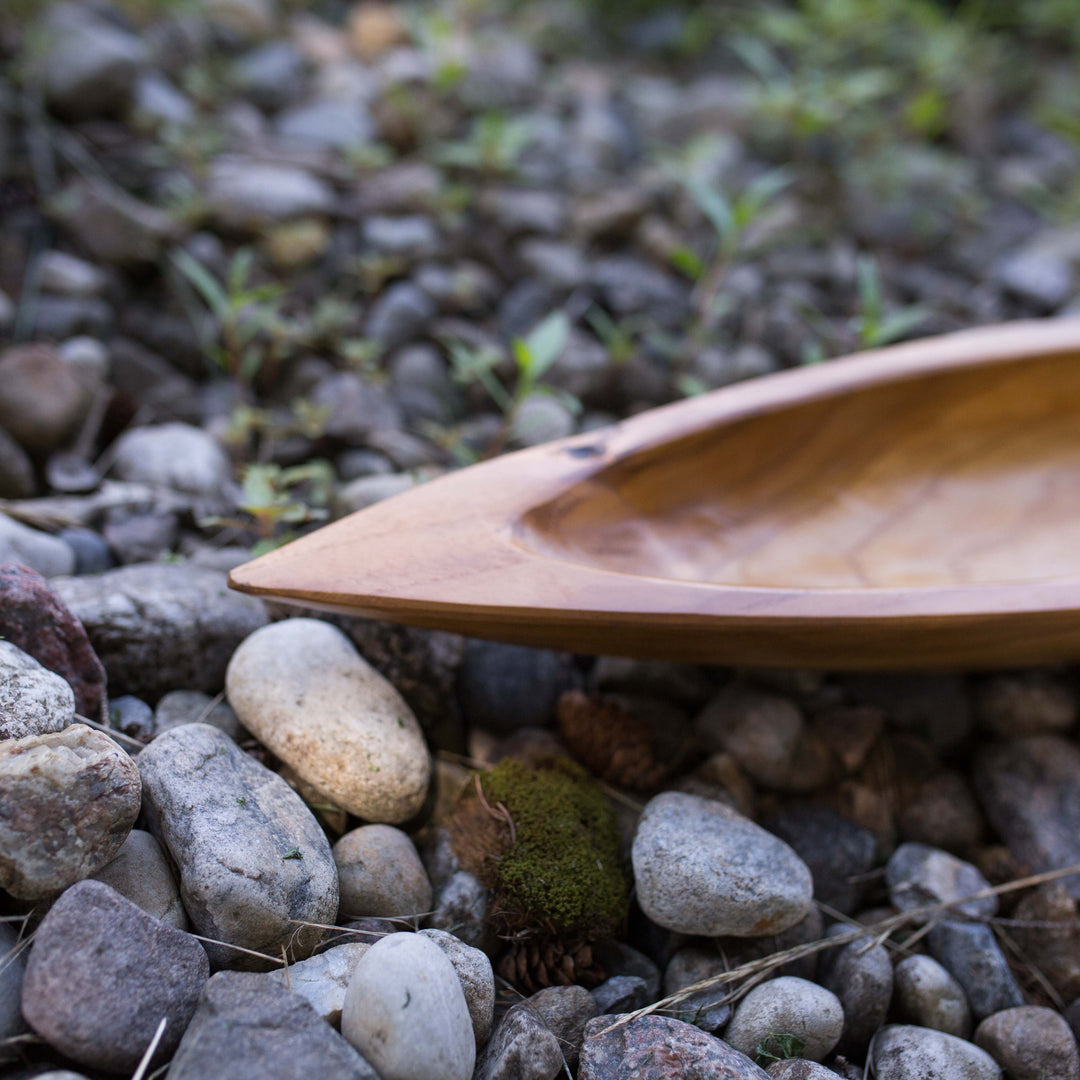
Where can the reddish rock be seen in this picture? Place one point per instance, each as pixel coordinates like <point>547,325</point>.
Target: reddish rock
<point>34,619</point>
<point>659,1048</point>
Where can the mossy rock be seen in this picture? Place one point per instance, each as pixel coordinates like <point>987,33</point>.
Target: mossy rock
<point>558,868</point>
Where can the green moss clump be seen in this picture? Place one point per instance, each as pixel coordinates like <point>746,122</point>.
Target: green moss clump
<point>563,868</point>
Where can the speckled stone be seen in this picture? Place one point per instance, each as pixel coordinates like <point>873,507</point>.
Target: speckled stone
<point>702,868</point>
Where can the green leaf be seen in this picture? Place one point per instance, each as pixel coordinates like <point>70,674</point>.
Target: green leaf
<point>688,262</point>
<point>869,286</point>
<point>260,487</point>
<point>544,344</point>
<point>239,271</point>
<point>251,363</point>
<point>712,204</point>
<point>897,324</point>
<point>204,283</point>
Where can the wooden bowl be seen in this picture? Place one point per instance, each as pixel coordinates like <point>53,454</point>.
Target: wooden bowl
<point>916,506</point>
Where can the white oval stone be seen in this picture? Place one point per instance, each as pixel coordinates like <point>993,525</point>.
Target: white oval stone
<point>405,1012</point>
<point>702,868</point>
<point>305,693</point>
<point>900,1052</point>
<point>789,1005</point>
<point>173,455</point>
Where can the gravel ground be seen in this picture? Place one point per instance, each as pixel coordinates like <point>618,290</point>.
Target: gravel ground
<point>266,264</point>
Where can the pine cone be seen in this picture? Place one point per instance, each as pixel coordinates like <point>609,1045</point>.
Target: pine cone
<point>532,963</point>
<point>609,740</point>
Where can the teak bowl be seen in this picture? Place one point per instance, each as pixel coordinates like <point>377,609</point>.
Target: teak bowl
<point>916,506</point>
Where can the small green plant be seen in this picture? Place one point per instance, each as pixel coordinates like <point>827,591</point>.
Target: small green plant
<point>243,313</point>
<point>620,339</point>
<point>270,500</point>
<point>533,355</point>
<point>873,325</point>
<point>494,145</point>
<point>732,217</point>
<point>778,1046</point>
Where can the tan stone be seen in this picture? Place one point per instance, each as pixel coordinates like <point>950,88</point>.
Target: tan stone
<point>302,690</point>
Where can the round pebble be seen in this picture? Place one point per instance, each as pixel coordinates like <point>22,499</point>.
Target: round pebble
<point>67,802</point>
<point>702,868</point>
<point>928,996</point>
<point>406,1013</point>
<point>1030,1043</point>
<point>901,1052</point>
<point>141,873</point>
<point>918,875</point>
<point>303,691</point>
<point>788,1005</point>
<point>380,874</point>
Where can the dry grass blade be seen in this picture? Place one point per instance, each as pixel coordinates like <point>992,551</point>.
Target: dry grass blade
<point>117,736</point>
<point>237,948</point>
<point>144,1063</point>
<point>757,970</point>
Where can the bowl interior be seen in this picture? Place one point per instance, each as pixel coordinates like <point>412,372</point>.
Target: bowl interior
<point>969,476</point>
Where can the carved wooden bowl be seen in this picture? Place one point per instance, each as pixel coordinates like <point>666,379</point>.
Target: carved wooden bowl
<point>916,506</point>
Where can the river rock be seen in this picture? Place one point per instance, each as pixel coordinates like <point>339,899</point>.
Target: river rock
<point>301,689</point>
<point>901,1052</point>
<point>837,852</point>
<point>918,875</point>
<point>101,975</point>
<point>33,549</point>
<point>381,873</point>
<point>405,1012</point>
<point>505,687</point>
<point>246,196</point>
<point>1030,1043</point>
<point>476,976</point>
<point>620,994</point>
<point>141,873</point>
<point>399,314</point>
<point>194,707</point>
<point>659,1048</point>
<point>33,701</point>
<point>521,1048</point>
<point>91,65</point>
<point>323,979</point>
<point>157,627</point>
<point>247,1028</point>
<point>110,225</point>
<point>971,954</point>
<point>800,1069</point>
<point>68,800</point>
<point>1030,791</point>
<point>1027,703</point>
<point>704,1009</point>
<point>172,455</point>
<point>702,868</point>
<point>565,1010</point>
<point>33,618</point>
<point>765,733</point>
<point>253,861</point>
<point>862,980</point>
<point>788,1005</point>
<point>928,996</point>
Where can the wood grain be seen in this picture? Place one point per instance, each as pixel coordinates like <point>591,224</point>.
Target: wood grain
<point>914,506</point>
